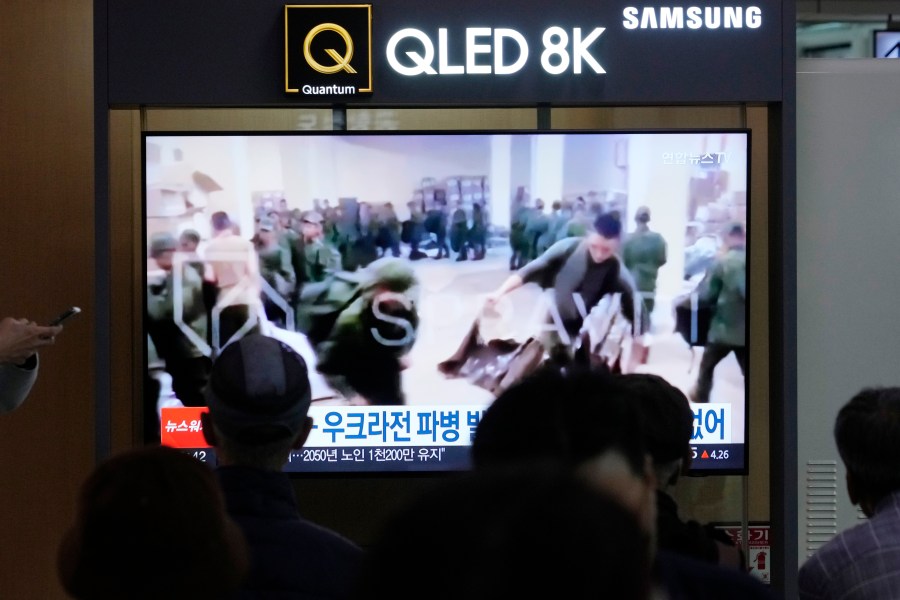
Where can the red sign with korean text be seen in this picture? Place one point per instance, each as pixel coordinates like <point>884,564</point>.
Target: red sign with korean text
<point>181,427</point>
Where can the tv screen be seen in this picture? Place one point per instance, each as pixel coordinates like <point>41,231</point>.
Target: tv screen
<point>421,273</point>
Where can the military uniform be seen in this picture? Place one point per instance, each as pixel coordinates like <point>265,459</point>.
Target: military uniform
<point>578,226</point>
<point>517,241</point>
<point>478,233</point>
<point>459,233</point>
<point>388,235</point>
<point>276,269</point>
<point>319,260</point>
<point>184,360</point>
<point>644,253</point>
<point>415,233</point>
<point>359,350</point>
<point>725,289</point>
<point>537,225</point>
<point>436,223</point>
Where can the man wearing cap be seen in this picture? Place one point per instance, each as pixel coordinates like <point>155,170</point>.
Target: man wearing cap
<point>581,271</point>
<point>644,253</point>
<point>319,259</point>
<point>180,349</point>
<point>258,397</point>
<point>725,289</point>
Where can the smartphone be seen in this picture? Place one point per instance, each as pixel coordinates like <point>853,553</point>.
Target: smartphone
<point>69,312</point>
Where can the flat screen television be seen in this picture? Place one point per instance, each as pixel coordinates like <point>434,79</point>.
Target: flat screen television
<point>332,216</point>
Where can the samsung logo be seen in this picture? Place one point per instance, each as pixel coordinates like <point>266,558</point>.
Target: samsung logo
<point>692,17</point>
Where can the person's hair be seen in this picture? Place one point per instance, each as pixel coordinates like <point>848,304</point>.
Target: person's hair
<point>267,455</point>
<point>220,221</point>
<point>151,525</point>
<point>736,230</point>
<point>556,205</point>
<point>536,532</point>
<point>569,417</point>
<point>668,422</point>
<point>190,234</point>
<point>608,225</point>
<point>867,433</point>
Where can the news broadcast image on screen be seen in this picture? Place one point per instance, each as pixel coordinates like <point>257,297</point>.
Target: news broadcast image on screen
<point>419,274</point>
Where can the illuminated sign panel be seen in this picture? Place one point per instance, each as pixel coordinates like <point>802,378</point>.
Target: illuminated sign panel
<point>459,52</point>
<point>578,53</point>
<point>328,49</point>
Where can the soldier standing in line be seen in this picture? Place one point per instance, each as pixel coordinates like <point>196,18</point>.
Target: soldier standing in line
<point>478,232</point>
<point>388,236</point>
<point>459,232</point>
<point>184,360</point>
<point>517,241</point>
<point>535,227</point>
<point>276,269</point>
<point>725,288</point>
<point>319,259</point>
<point>416,229</point>
<point>436,223</point>
<point>644,252</point>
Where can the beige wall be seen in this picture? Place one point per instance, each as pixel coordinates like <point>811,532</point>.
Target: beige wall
<point>47,264</point>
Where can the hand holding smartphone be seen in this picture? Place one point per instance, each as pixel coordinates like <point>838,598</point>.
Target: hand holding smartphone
<point>69,312</point>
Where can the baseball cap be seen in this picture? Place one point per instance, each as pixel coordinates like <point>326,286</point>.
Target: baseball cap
<point>162,242</point>
<point>266,224</point>
<point>311,216</point>
<point>258,390</point>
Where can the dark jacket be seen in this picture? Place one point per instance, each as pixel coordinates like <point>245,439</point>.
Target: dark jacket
<point>564,266</point>
<point>684,578</point>
<point>290,557</point>
<point>686,538</point>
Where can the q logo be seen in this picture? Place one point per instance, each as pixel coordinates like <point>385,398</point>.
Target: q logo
<point>341,62</point>
<point>328,50</point>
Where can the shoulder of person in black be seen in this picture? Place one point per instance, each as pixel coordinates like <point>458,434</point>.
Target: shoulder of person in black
<point>684,578</point>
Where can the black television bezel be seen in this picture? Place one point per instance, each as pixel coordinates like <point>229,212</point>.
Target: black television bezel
<point>692,471</point>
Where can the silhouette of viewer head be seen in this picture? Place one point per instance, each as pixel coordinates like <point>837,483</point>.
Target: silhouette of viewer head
<point>582,419</point>
<point>258,396</point>
<point>535,532</point>
<point>151,525</point>
<point>867,433</point>
<point>668,424</point>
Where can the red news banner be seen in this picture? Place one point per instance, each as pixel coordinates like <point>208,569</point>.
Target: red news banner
<point>182,428</point>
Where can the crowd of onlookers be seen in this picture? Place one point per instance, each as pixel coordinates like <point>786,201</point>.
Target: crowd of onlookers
<point>569,496</point>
